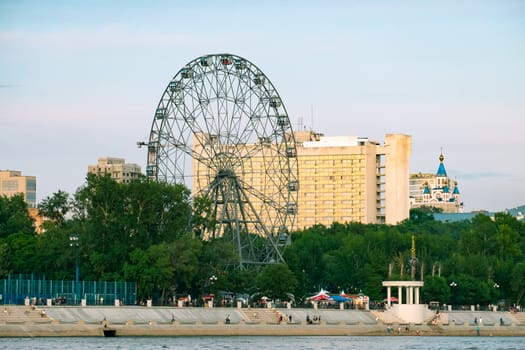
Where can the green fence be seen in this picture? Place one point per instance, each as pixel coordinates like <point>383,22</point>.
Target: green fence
<point>23,289</point>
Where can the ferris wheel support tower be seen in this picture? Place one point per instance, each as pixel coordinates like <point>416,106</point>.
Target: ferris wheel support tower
<point>221,129</point>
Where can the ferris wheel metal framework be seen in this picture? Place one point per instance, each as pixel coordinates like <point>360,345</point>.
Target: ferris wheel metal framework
<point>221,128</point>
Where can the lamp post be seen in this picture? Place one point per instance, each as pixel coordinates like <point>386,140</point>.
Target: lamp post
<point>304,281</point>
<point>496,294</point>
<point>73,242</point>
<point>453,285</point>
<point>213,279</point>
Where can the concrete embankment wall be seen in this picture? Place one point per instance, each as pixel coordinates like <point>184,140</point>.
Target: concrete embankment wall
<point>163,321</point>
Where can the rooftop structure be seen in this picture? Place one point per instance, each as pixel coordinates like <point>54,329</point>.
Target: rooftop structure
<point>119,170</point>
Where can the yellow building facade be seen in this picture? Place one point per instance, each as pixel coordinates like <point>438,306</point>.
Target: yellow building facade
<point>12,182</point>
<point>339,179</point>
<point>246,183</point>
<point>352,179</point>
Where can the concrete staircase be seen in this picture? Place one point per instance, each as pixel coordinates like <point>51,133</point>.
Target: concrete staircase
<point>520,318</point>
<point>387,317</point>
<point>23,314</point>
<point>263,316</point>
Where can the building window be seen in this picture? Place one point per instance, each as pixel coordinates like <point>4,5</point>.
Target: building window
<point>31,199</point>
<point>30,185</point>
<point>8,186</point>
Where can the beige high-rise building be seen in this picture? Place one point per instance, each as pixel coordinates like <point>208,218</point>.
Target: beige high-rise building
<point>340,179</point>
<point>352,179</point>
<point>119,170</point>
<point>12,182</point>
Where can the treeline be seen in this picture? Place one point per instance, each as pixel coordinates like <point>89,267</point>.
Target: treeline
<point>143,232</point>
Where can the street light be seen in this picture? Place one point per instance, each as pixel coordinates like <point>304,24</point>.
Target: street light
<point>213,279</point>
<point>496,294</point>
<point>453,285</point>
<point>73,242</point>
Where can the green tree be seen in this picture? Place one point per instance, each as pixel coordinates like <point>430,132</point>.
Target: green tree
<point>21,253</point>
<point>114,219</point>
<point>152,270</point>
<point>142,231</point>
<point>276,281</point>
<point>307,250</point>
<point>4,259</point>
<point>469,291</point>
<point>184,257</point>
<point>481,240</point>
<point>436,289</point>
<point>218,258</point>
<point>243,281</point>
<point>202,221</point>
<point>14,216</point>
<point>99,206</point>
<point>507,243</point>
<point>55,254</point>
<point>154,212</point>
<point>55,207</point>
<point>518,281</point>
<point>422,214</point>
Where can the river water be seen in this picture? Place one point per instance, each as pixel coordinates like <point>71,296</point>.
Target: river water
<point>266,343</point>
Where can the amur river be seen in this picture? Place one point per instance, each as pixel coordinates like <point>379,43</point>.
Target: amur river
<point>266,343</point>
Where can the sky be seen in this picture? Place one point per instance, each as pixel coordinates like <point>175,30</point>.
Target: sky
<point>80,80</point>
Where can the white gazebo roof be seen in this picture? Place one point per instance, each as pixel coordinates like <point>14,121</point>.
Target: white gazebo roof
<point>403,283</point>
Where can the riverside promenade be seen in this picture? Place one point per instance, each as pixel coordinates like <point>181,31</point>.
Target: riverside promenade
<point>26,321</point>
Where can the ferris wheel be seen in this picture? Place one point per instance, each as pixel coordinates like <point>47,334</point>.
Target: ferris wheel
<point>221,129</point>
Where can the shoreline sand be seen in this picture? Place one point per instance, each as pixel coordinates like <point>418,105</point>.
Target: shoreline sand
<point>58,330</point>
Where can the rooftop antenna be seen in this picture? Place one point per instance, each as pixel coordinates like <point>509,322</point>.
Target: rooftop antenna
<point>312,116</point>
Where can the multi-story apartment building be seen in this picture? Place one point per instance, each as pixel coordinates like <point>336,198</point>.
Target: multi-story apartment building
<point>435,190</point>
<point>352,179</point>
<point>119,170</point>
<point>12,182</point>
<point>340,179</point>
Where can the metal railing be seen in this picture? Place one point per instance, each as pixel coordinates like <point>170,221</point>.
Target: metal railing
<point>23,289</point>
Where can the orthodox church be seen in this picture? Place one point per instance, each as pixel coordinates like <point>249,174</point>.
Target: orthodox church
<point>435,190</point>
